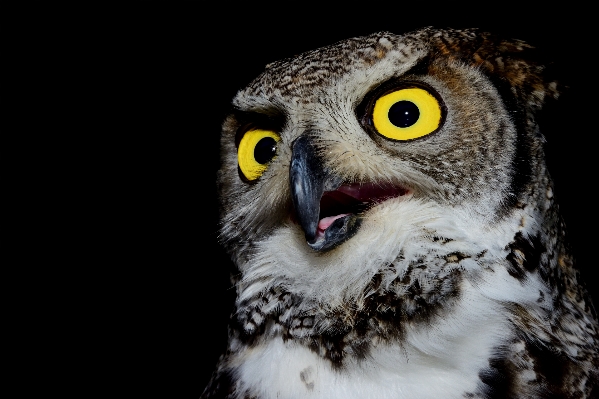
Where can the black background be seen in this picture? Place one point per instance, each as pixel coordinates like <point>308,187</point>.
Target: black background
<point>176,67</point>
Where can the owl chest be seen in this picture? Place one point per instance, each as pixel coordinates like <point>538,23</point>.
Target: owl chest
<point>444,360</point>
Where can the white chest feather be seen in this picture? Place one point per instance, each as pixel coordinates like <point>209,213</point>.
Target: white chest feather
<point>442,358</point>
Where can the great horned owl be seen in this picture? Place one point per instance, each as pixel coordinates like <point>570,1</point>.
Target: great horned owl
<point>387,205</point>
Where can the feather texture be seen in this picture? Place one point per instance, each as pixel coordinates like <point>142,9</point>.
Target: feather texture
<point>377,267</point>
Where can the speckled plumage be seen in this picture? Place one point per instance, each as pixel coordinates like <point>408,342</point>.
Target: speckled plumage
<point>459,285</point>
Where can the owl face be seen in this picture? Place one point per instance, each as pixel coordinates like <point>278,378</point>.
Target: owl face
<point>318,143</point>
<point>364,143</point>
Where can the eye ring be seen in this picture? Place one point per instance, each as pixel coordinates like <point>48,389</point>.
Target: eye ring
<point>256,149</point>
<point>403,112</point>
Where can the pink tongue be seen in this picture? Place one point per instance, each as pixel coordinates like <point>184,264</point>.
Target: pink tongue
<point>324,223</point>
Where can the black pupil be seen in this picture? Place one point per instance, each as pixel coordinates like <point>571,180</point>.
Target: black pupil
<point>403,113</point>
<point>265,150</point>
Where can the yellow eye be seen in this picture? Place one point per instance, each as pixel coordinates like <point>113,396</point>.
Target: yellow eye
<point>406,114</point>
<point>256,149</point>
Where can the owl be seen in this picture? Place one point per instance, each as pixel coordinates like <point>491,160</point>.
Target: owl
<point>387,206</point>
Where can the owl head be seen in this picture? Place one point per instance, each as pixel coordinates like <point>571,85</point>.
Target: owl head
<point>341,149</point>
<point>387,205</point>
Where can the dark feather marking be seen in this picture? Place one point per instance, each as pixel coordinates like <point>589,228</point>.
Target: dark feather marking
<point>521,172</point>
<point>530,249</point>
<point>349,331</point>
<point>553,367</point>
<point>498,379</point>
<point>305,377</point>
<point>382,316</point>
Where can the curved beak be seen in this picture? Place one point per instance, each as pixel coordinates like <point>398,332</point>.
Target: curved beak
<point>309,180</point>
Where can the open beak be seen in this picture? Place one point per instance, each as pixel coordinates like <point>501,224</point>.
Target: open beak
<point>329,211</point>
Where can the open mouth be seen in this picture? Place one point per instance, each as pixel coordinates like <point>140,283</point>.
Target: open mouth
<point>328,211</point>
<point>340,211</point>
<point>352,199</point>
